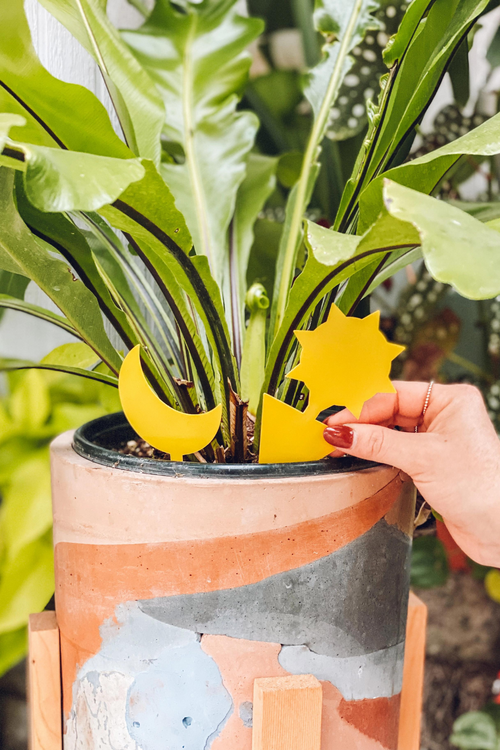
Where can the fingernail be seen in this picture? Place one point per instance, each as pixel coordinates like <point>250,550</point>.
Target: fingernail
<point>340,436</point>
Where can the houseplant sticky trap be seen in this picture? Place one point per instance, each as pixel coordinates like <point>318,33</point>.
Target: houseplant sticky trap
<point>345,361</point>
<point>161,426</point>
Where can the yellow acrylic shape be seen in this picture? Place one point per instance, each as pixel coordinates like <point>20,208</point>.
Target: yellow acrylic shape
<point>289,435</point>
<point>344,362</point>
<point>171,431</point>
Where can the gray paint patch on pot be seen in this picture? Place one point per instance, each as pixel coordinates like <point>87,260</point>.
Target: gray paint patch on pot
<point>151,686</point>
<point>376,675</point>
<point>346,604</point>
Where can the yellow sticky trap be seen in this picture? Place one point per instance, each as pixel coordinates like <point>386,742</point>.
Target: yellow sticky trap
<point>344,362</point>
<point>289,435</point>
<point>171,431</point>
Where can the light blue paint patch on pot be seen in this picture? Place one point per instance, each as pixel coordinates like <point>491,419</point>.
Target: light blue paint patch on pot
<point>150,687</point>
<point>179,703</point>
<point>375,675</point>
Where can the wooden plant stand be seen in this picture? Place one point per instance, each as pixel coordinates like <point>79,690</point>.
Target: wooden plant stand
<point>287,710</point>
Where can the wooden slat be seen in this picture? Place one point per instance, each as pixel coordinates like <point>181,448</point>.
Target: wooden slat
<point>287,713</point>
<point>44,683</point>
<point>413,676</point>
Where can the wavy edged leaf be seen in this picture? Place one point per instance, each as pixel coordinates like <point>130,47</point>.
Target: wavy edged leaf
<point>34,259</point>
<point>198,61</point>
<point>138,105</point>
<point>28,89</point>
<point>457,248</point>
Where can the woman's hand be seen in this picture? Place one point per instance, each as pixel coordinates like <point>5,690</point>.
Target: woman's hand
<point>454,459</point>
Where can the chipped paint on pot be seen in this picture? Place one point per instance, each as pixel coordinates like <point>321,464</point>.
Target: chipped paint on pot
<point>175,591</point>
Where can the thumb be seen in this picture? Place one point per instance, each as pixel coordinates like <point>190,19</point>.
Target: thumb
<point>405,450</point>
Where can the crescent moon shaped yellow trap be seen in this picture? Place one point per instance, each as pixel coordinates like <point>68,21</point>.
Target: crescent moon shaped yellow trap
<point>344,362</point>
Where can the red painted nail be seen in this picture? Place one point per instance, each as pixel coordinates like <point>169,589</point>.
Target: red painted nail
<point>340,436</point>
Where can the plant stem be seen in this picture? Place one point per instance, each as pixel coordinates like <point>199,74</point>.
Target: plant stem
<point>254,349</point>
<point>310,157</point>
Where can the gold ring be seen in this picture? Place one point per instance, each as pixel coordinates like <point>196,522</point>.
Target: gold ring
<point>426,402</point>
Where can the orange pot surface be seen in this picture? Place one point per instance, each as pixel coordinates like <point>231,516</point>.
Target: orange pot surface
<point>173,594</point>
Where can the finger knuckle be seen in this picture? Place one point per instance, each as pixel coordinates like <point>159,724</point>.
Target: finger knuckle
<point>377,444</point>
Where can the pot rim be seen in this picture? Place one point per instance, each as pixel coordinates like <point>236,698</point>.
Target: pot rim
<point>86,444</point>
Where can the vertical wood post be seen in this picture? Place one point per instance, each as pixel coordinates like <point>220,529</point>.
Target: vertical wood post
<point>287,713</point>
<point>413,676</point>
<point>44,683</point>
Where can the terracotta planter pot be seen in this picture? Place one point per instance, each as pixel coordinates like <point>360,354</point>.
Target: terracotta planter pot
<point>175,590</point>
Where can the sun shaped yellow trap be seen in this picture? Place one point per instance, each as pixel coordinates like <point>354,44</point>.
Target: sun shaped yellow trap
<point>344,362</point>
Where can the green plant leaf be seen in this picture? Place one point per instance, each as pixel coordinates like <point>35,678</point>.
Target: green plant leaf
<point>8,121</point>
<point>427,45</point>
<point>474,730</point>
<point>198,61</point>
<point>147,212</point>
<point>27,89</point>
<point>332,258</point>
<point>12,365</point>
<point>492,584</point>
<point>27,583</point>
<point>259,182</point>
<point>13,647</point>
<point>71,243</point>
<point>138,105</point>
<point>426,172</point>
<point>343,24</point>
<point>429,564</point>
<point>34,260</point>
<point>457,248</point>
<point>58,180</point>
<point>72,355</point>
<point>26,502</point>
<point>30,403</point>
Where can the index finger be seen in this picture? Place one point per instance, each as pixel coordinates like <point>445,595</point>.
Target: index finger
<point>403,408</point>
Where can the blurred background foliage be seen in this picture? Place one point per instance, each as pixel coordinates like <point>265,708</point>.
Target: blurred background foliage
<point>37,406</point>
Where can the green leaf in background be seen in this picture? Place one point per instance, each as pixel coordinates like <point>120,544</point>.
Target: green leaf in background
<point>13,645</point>
<point>33,259</point>
<point>13,287</point>
<point>57,113</point>
<point>457,248</point>
<point>27,583</point>
<point>26,503</point>
<point>425,173</point>
<point>475,730</point>
<point>429,564</point>
<point>30,404</point>
<point>492,584</point>
<point>199,62</point>
<point>137,102</point>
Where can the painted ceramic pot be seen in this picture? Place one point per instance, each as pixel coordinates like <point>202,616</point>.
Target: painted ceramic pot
<point>177,585</point>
